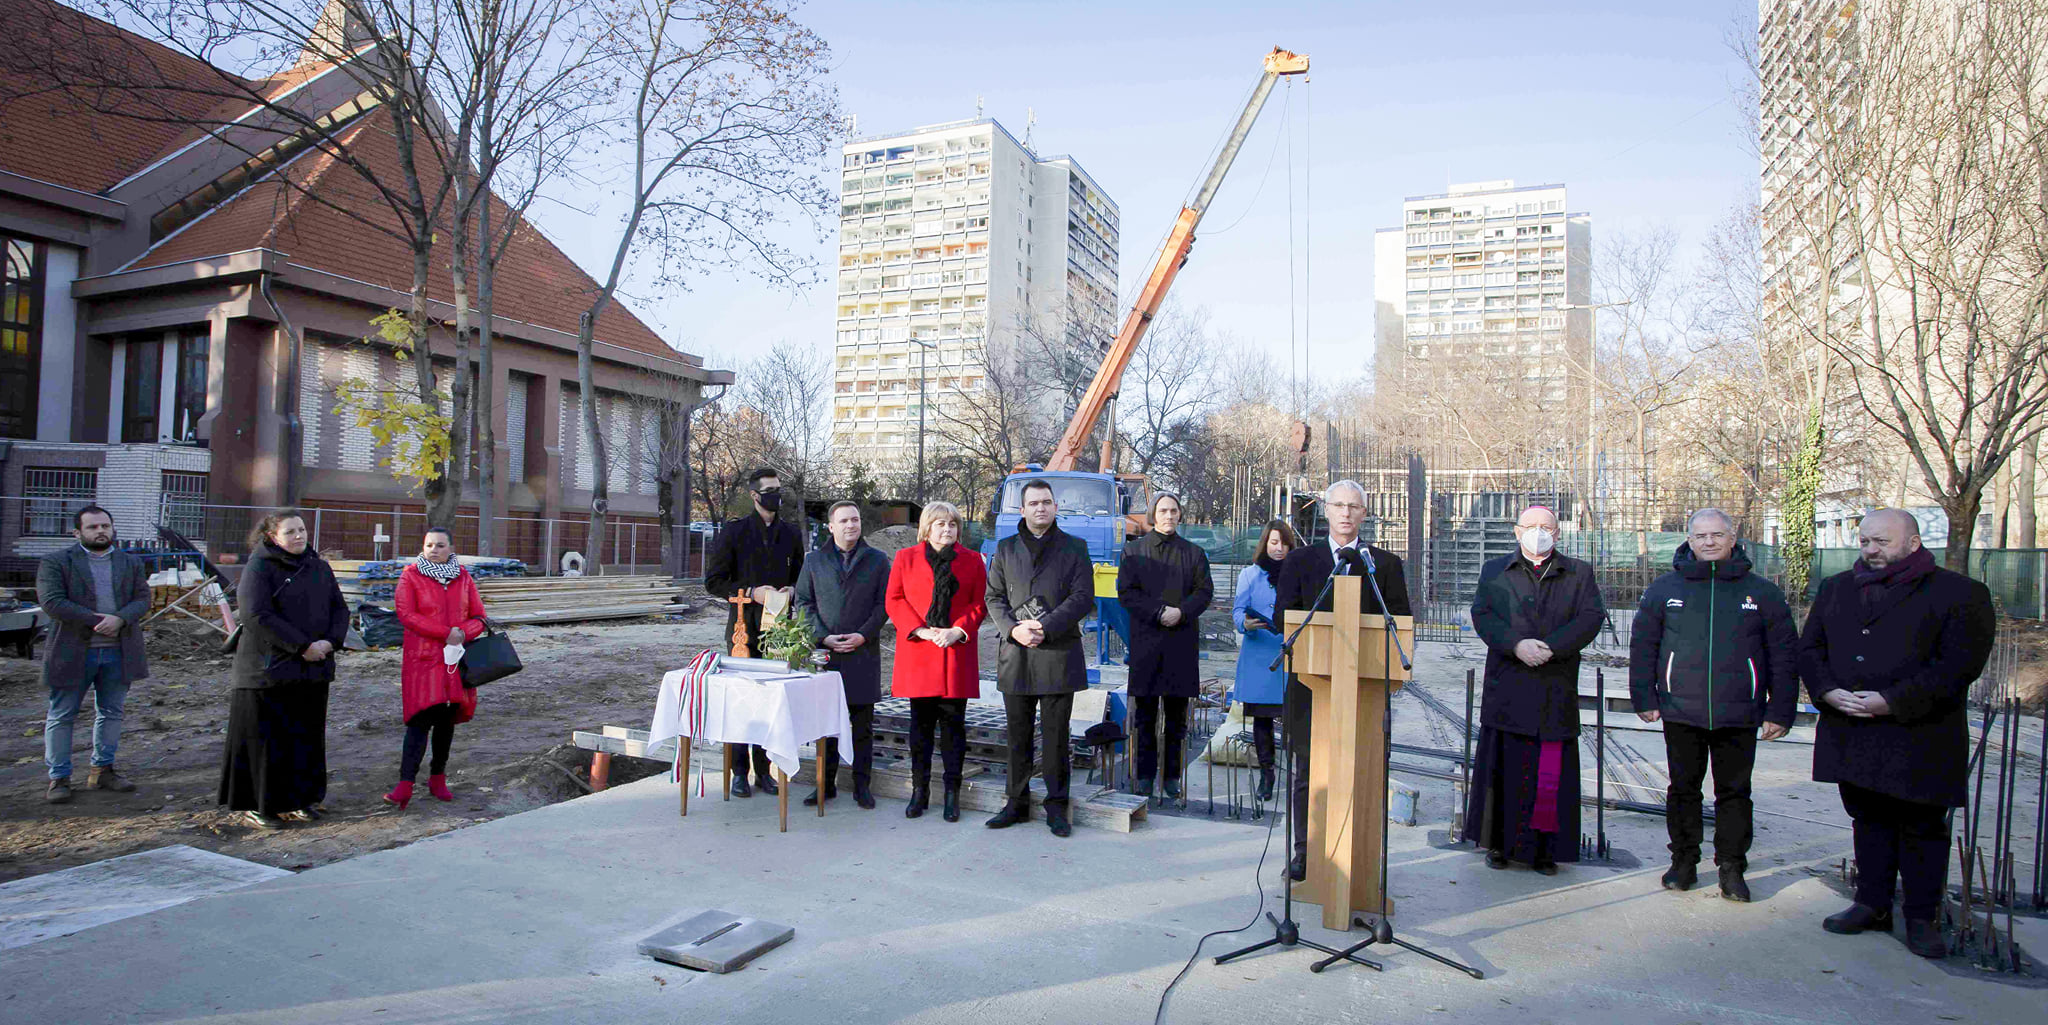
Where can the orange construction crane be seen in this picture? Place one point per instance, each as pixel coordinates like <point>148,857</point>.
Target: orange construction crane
<point>1102,391</point>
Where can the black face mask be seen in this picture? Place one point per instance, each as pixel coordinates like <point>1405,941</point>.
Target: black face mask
<point>770,499</point>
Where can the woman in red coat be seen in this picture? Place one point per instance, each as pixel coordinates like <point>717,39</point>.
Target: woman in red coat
<point>937,591</point>
<point>439,607</point>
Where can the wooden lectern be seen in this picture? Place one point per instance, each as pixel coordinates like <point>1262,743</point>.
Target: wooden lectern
<point>1343,658</point>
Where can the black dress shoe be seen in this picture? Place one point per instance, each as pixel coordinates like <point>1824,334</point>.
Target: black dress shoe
<point>1496,860</point>
<point>1681,876</point>
<point>1733,886</point>
<point>1297,867</point>
<point>767,786</point>
<point>1143,788</point>
<point>812,801</point>
<point>1923,937</point>
<point>952,810</point>
<point>1012,813</point>
<point>863,796</point>
<point>1265,784</point>
<point>1546,867</point>
<point>1858,918</point>
<point>1056,820</point>
<point>740,787</point>
<point>1173,790</point>
<point>920,799</point>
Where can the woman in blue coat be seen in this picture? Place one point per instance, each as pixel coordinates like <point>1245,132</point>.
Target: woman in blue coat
<point>1261,690</point>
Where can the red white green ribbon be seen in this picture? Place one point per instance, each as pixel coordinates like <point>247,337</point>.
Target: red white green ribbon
<point>690,695</point>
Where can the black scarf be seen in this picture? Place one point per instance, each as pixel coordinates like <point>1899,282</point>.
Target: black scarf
<point>286,560</point>
<point>1035,544</point>
<point>1873,584</point>
<point>944,585</point>
<point>1271,566</point>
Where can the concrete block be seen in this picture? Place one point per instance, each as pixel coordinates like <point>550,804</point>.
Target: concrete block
<point>716,941</point>
<point>62,903</point>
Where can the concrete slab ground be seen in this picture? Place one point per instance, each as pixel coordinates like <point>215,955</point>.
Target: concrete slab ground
<point>62,903</point>
<point>534,918</point>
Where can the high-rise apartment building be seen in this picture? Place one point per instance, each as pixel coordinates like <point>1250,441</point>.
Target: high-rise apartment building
<point>950,234</point>
<point>1488,271</point>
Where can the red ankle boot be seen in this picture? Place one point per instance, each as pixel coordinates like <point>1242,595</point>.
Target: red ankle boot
<point>400,795</point>
<point>438,786</point>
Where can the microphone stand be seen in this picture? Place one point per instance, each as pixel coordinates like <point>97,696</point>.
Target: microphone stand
<point>1287,932</point>
<point>1382,928</point>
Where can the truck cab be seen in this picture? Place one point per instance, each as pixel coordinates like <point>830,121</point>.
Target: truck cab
<point>1095,507</point>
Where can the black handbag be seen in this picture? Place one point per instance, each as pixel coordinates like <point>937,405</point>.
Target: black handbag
<point>488,658</point>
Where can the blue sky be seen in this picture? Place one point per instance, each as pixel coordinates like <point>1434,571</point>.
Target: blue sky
<point>1629,104</point>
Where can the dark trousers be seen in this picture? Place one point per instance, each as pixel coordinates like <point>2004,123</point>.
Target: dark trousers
<point>1898,840</point>
<point>1297,762</point>
<point>1262,740</point>
<point>938,715</point>
<point>1732,752</point>
<point>1145,734</point>
<point>439,722</point>
<point>738,755</point>
<point>1052,712</point>
<point>863,717</point>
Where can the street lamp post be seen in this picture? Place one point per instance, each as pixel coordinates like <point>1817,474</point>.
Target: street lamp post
<point>1592,398</point>
<point>923,348</point>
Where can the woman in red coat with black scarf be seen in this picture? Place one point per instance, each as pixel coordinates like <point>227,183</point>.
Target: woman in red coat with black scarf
<point>439,607</point>
<point>937,595</point>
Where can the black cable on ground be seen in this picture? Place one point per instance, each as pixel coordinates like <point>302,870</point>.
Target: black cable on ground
<point>1258,880</point>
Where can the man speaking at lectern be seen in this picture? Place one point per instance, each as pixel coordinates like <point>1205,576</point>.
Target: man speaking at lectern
<point>1301,579</point>
<point>1535,610</point>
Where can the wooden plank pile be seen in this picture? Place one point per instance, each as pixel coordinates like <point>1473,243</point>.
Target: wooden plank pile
<point>569,599</point>
<point>513,597</point>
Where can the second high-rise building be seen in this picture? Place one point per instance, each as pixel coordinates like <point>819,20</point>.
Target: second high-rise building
<point>951,234</point>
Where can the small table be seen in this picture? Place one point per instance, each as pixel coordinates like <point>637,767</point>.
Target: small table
<point>775,713</point>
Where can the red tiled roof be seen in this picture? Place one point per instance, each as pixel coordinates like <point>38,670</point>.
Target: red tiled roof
<point>536,282</point>
<point>84,104</point>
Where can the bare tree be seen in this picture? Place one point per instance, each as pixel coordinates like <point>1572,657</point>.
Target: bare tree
<point>791,386</point>
<point>1924,126</point>
<point>724,116</point>
<point>988,413</point>
<point>1167,390</point>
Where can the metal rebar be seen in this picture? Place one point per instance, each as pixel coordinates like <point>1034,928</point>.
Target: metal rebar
<point>1600,762</point>
<point>1974,811</point>
<point>2041,808</point>
<point>1465,763</point>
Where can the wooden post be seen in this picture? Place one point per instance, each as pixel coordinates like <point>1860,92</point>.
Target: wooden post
<point>687,766</point>
<point>782,797</point>
<point>600,770</point>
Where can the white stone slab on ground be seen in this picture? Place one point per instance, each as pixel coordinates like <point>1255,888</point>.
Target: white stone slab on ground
<point>61,903</point>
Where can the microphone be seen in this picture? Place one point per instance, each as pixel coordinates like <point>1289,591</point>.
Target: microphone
<point>1359,564</point>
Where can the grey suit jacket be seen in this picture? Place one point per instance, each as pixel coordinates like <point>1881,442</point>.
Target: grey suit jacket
<point>64,587</point>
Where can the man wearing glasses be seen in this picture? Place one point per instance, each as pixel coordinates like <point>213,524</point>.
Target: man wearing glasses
<point>1301,580</point>
<point>759,554</point>
<point>1713,656</point>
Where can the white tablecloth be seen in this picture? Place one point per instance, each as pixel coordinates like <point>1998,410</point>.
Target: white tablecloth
<point>778,715</point>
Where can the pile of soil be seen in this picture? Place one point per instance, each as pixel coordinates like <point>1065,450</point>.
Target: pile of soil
<point>890,540</point>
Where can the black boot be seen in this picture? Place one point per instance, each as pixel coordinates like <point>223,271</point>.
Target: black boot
<point>740,787</point>
<point>1734,887</point>
<point>863,796</point>
<point>1297,866</point>
<point>1172,787</point>
<point>1143,787</point>
<point>1682,875</point>
<point>829,791</point>
<point>1858,918</point>
<point>766,785</point>
<point>1923,937</point>
<point>1018,810</point>
<point>920,798</point>
<point>952,811</point>
<point>1265,783</point>
<point>1056,819</point>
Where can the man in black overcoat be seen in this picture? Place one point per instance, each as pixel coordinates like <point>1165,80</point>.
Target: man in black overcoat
<point>759,554</point>
<point>841,594</point>
<point>1164,582</point>
<point>1301,579</point>
<point>1890,650</point>
<point>1040,587</point>
<point>1536,610</point>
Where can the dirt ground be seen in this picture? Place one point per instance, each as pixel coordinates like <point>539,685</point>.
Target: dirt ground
<point>511,758</point>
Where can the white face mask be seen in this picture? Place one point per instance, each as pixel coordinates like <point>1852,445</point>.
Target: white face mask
<point>451,654</point>
<point>1538,541</point>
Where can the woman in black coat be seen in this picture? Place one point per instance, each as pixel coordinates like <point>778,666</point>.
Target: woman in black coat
<point>293,619</point>
<point>1164,583</point>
